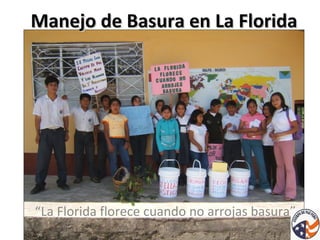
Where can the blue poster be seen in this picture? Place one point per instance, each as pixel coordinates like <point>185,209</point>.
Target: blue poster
<point>139,120</point>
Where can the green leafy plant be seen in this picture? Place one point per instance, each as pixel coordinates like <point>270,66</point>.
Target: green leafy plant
<point>132,190</point>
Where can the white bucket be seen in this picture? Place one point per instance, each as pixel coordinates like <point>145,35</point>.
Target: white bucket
<point>169,177</point>
<point>239,180</point>
<point>218,184</point>
<point>196,178</point>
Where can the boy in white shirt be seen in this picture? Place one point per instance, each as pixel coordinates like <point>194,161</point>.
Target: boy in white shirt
<point>230,125</point>
<point>52,130</point>
<point>86,124</point>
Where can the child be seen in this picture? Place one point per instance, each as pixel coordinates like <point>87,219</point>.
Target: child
<point>86,124</point>
<point>167,135</point>
<point>230,124</point>
<point>155,119</point>
<point>116,132</point>
<point>102,144</point>
<point>183,156</point>
<point>267,143</point>
<point>285,124</point>
<point>184,97</point>
<point>252,131</point>
<point>198,136</point>
<point>213,121</point>
<point>52,131</point>
<point>138,144</point>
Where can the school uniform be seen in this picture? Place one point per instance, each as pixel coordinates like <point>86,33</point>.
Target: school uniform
<point>85,121</point>
<point>284,151</point>
<point>52,136</point>
<point>183,156</point>
<point>232,143</point>
<point>213,122</point>
<point>102,145</point>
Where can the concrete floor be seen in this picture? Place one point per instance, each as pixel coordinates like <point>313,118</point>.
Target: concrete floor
<point>88,191</point>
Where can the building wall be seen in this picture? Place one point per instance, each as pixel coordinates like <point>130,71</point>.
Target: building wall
<point>202,49</point>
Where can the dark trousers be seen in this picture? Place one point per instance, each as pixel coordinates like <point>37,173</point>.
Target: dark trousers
<point>271,165</point>
<point>84,143</point>
<point>51,140</point>
<point>231,150</point>
<point>138,147</point>
<point>102,155</point>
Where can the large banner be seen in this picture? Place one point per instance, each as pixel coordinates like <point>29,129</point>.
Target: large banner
<point>139,120</point>
<point>238,84</point>
<point>91,74</point>
<point>170,78</point>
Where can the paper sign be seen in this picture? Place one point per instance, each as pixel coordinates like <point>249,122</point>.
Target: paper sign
<point>170,78</point>
<point>139,120</point>
<point>214,153</point>
<point>91,74</point>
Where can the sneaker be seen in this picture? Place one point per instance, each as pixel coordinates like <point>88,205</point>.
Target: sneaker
<point>63,186</point>
<point>268,190</point>
<point>95,180</point>
<point>77,180</point>
<point>38,188</point>
<point>251,187</point>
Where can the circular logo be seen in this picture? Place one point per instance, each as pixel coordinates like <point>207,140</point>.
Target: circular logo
<point>305,224</point>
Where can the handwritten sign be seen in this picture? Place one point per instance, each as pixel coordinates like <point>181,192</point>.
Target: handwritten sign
<point>91,74</point>
<point>170,78</point>
<point>215,153</point>
<point>139,120</point>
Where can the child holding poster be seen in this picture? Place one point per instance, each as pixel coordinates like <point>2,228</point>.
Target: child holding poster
<point>155,119</point>
<point>138,144</point>
<point>198,136</point>
<point>116,132</point>
<point>213,121</point>
<point>183,156</point>
<point>252,130</point>
<point>167,135</point>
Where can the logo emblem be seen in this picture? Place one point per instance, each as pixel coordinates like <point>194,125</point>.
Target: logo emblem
<point>305,224</point>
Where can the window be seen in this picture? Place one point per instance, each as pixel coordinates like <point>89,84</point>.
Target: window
<point>123,62</point>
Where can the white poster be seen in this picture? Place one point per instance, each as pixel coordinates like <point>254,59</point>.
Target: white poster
<point>91,74</point>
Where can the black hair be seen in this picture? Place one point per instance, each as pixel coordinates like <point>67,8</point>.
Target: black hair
<point>103,97</point>
<point>115,100</point>
<point>283,102</point>
<point>231,103</point>
<point>271,108</point>
<point>134,97</point>
<point>215,102</point>
<point>180,103</point>
<point>166,107</point>
<point>85,95</point>
<point>180,94</point>
<point>159,101</point>
<point>251,100</point>
<point>51,79</point>
<point>194,115</point>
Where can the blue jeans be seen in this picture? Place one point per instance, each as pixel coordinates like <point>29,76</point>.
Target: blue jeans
<point>102,155</point>
<point>169,154</point>
<point>118,144</point>
<point>202,157</point>
<point>256,146</point>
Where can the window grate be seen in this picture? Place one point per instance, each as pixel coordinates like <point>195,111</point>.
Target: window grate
<point>123,66</point>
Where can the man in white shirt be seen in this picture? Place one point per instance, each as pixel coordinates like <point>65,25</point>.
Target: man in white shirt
<point>86,124</point>
<point>51,123</point>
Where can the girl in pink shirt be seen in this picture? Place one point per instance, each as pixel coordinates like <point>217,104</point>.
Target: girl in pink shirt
<point>252,130</point>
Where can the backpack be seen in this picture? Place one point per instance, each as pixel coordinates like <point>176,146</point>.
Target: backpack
<point>298,134</point>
